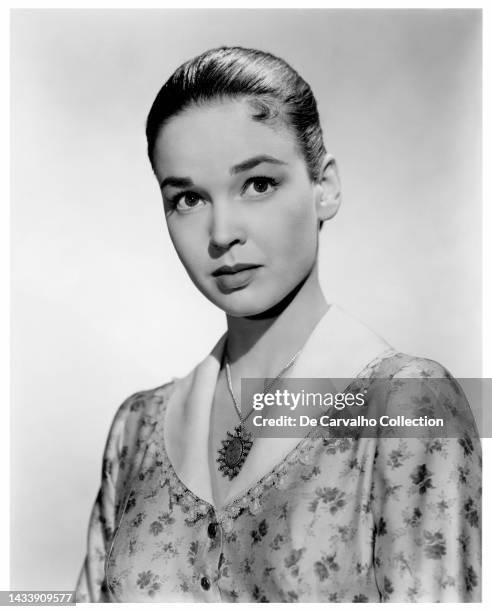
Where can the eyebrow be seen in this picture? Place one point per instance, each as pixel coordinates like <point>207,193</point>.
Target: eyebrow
<point>176,181</point>
<point>255,161</point>
<point>247,164</point>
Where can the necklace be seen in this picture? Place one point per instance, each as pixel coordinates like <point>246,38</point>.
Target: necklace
<point>235,448</point>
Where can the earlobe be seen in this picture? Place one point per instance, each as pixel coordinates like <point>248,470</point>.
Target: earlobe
<point>329,198</point>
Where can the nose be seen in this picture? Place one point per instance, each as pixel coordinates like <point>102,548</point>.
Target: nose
<point>225,228</point>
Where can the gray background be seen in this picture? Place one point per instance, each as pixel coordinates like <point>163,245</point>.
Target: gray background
<point>101,307</point>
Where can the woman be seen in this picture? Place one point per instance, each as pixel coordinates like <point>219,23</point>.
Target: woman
<point>191,507</point>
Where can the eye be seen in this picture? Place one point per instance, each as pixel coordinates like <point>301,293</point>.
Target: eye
<point>186,201</point>
<point>259,185</point>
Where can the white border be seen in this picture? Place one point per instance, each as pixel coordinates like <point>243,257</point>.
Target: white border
<point>5,262</point>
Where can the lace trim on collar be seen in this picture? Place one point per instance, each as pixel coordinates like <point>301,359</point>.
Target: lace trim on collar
<point>250,499</point>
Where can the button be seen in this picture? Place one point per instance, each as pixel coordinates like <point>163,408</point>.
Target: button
<point>205,582</point>
<point>212,530</point>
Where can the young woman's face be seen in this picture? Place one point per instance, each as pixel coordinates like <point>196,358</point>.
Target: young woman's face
<point>239,205</point>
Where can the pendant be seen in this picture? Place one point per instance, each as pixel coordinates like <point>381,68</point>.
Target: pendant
<point>234,451</point>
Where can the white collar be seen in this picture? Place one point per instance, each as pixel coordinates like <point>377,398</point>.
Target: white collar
<point>338,347</point>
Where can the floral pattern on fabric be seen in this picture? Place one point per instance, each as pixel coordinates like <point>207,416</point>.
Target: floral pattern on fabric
<point>338,520</point>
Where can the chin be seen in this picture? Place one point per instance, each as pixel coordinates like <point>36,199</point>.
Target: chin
<point>241,308</point>
<point>253,300</point>
<point>241,303</point>
<point>247,304</point>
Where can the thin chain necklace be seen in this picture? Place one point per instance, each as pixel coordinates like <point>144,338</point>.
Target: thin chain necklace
<point>235,448</point>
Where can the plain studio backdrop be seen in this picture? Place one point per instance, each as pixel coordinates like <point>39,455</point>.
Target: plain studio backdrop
<point>101,306</point>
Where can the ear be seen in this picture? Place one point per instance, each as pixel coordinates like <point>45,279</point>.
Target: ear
<point>328,197</point>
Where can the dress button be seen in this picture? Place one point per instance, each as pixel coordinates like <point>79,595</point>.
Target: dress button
<point>205,582</point>
<point>212,530</point>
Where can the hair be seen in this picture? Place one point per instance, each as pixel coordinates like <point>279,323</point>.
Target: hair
<point>270,85</point>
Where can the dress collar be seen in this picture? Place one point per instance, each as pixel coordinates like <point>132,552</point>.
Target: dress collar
<point>338,347</point>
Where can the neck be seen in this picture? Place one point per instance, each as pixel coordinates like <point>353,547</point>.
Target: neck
<point>261,345</point>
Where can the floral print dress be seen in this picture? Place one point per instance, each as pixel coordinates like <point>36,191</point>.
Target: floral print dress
<point>337,520</point>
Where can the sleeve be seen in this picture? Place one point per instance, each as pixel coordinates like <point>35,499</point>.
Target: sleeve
<point>427,499</point>
<point>91,584</point>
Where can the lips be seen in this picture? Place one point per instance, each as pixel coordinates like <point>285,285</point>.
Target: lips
<point>234,277</point>
<point>239,267</point>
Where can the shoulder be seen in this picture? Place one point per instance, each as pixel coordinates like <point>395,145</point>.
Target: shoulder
<point>404,371</point>
<point>404,365</point>
<point>405,385</point>
<point>133,422</point>
<point>142,406</point>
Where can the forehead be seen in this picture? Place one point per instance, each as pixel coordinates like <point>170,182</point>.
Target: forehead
<point>213,137</point>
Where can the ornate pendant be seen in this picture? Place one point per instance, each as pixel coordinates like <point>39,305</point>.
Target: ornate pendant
<point>235,449</point>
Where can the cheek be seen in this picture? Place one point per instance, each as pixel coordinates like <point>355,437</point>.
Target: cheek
<point>187,247</point>
<point>295,231</point>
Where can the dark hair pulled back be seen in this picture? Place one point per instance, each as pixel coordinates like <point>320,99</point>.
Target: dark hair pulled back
<point>273,88</point>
